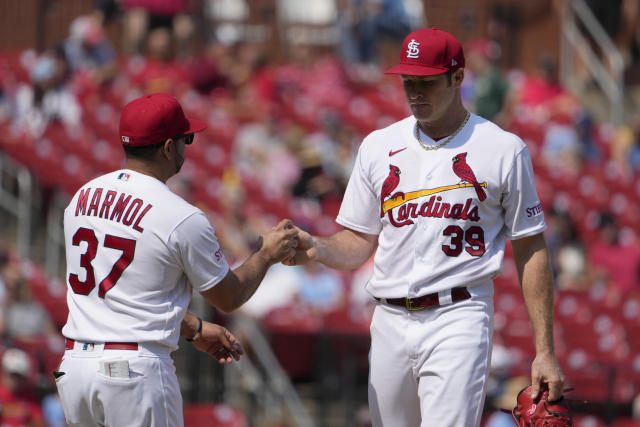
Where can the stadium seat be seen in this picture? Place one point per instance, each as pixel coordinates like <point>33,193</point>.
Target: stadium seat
<point>590,383</point>
<point>625,422</point>
<point>626,384</point>
<point>213,415</point>
<point>292,331</point>
<point>347,322</point>
<point>581,420</point>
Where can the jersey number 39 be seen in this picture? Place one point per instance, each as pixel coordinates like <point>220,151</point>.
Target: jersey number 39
<point>128,248</point>
<point>473,236</point>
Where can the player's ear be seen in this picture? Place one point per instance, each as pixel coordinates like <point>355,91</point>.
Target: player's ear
<point>457,77</point>
<point>168,148</point>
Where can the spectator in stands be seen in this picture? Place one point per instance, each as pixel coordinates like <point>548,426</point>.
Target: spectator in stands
<point>142,17</point>
<point>7,80</point>
<point>635,408</point>
<point>320,289</point>
<point>206,72</point>
<point>157,71</point>
<point>562,149</point>
<point>584,126</point>
<point>47,99</point>
<point>106,11</point>
<point>572,268</point>
<point>362,22</point>
<point>543,86</point>
<point>567,253</point>
<point>250,83</point>
<point>261,155</point>
<point>634,154</point>
<point>490,86</point>
<point>629,39</point>
<point>18,404</point>
<point>89,51</point>
<point>611,261</point>
<point>356,26</point>
<point>4,265</point>
<point>52,411</point>
<point>278,289</point>
<point>240,221</point>
<point>314,181</point>
<point>24,317</point>
<point>625,148</point>
<point>337,144</point>
<point>543,94</point>
<point>561,231</point>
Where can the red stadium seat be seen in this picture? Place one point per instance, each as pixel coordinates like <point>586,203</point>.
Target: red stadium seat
<point>213,415</point>
<point>292,332</point>
<point>346,321</point>
<point>625,422</point>
<point>581,420</point>
<point>589,383</point>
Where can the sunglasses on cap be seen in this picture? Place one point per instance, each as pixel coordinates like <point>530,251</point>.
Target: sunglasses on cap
<point>188,139</point>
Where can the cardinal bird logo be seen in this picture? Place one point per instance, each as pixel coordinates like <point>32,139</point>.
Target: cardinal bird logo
<point>390,184</point>
<point>465,173</point>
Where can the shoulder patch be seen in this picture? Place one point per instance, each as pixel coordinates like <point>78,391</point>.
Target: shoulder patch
<point>534,210</point>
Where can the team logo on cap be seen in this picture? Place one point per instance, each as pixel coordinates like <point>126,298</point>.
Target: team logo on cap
<point>125,139</point>
<point>412,49</point>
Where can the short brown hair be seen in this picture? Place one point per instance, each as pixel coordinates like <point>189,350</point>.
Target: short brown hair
<point>143,152</point>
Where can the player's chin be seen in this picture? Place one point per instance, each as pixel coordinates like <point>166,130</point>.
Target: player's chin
<point>422,112</point>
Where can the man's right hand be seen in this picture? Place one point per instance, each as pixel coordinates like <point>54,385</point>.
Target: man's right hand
<point>305,251</point>
<point>218,342</point>
<point>280,243</point>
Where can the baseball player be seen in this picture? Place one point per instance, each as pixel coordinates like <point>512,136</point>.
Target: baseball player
<point>134,252</point>
<point>435,196</point>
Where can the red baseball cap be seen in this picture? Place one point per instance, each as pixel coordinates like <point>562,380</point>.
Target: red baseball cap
<point>155,118</point>
<point>429,52</point>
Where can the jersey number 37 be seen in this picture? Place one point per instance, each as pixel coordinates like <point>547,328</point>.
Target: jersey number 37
<point>128,248</point>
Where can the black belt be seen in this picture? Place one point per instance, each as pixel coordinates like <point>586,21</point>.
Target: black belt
<point>459,293</point>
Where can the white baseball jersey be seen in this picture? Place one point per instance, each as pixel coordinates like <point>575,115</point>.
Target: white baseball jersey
<point>134,250</point>
<point>442,215</point>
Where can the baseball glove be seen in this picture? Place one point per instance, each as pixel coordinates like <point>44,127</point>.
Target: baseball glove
<point>540,412</point>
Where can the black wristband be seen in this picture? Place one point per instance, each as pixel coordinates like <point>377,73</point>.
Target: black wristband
<point>197,331</point>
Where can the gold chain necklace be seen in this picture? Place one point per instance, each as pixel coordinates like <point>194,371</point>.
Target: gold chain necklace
<point>443,143</point>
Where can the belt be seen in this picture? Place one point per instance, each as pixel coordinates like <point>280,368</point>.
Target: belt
<point>69,343</point>
<point>430,300</point>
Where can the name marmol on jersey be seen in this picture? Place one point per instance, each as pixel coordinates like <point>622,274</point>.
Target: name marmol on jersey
<point>114,206</point>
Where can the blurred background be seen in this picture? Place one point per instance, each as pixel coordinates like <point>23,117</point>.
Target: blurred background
<point>289,89</point>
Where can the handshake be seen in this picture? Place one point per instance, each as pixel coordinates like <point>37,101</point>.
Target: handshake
<point>288,244</point>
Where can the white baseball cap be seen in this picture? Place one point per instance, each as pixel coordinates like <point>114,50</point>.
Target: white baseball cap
<point>16,361</point>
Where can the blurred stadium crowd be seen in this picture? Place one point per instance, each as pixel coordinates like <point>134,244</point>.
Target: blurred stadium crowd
<point>281,141</point>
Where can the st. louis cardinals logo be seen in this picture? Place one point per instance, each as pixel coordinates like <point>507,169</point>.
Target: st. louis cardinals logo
<point>434,206</point>
<point>465,173</point>
<point>389,185</point>
<point>412,49</point>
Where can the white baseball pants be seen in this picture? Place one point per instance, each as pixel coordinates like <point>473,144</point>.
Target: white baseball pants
<point>148,396</point>
<point>429,367</point>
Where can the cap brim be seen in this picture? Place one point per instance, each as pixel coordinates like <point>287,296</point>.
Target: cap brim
<point>416,70</point>
<point>195,125</point>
